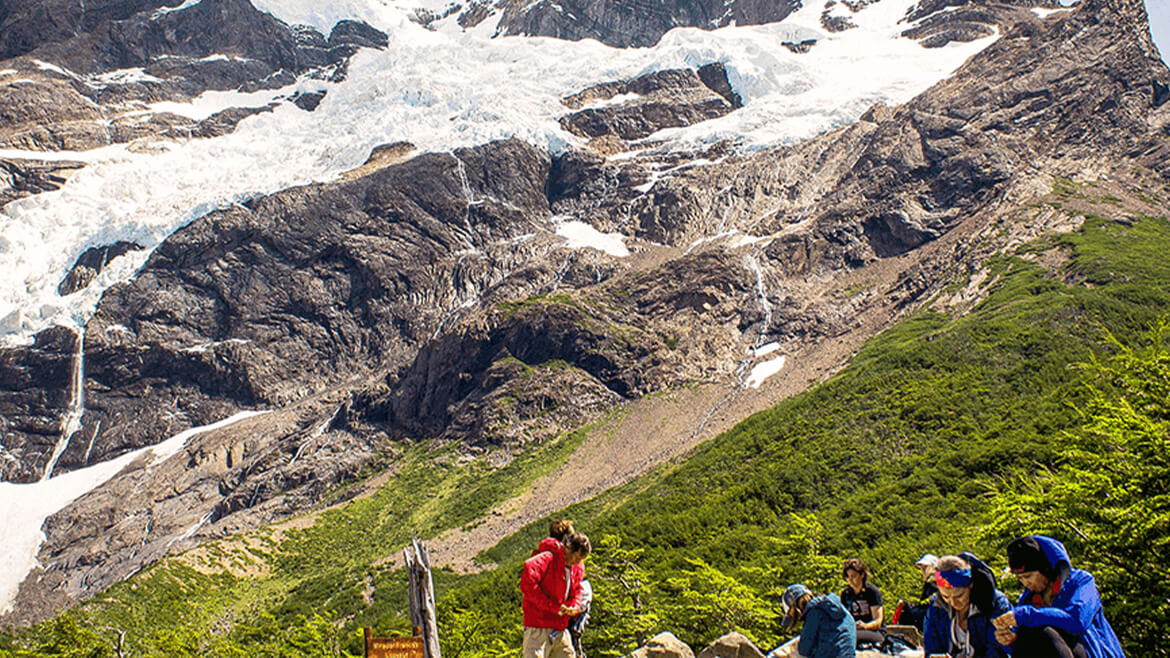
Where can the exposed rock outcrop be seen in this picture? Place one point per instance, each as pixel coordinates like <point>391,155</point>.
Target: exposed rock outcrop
<point>664,99</point>
<point>91,263</point>
<point>431,299</point>
<point>626,23</point>
<point>732,645</point>
<point>91,89</point>
<point>20,178</point>
<point>663,645</point>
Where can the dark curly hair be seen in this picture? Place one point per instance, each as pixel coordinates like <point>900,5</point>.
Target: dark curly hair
<point>560,529</point>
<point>855,564</point>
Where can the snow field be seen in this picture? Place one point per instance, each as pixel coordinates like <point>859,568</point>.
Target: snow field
<point>440,90</point>
<point>24,507</point>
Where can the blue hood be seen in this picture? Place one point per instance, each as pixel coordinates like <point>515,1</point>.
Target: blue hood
<point>830,605</point>
<point>1054,551</point>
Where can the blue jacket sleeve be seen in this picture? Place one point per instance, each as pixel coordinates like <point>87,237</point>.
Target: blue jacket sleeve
<point>1001,606</point>
<point>1073,616</point>
<point>810,631</point>
<point>935,633</point>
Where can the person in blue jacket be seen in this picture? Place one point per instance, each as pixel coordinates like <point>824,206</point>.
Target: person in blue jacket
<point>1059,613</point>
<point>829,630</point>
<point>959,618</point>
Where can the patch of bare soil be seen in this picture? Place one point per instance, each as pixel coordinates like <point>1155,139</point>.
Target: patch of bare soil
<point>658,429</point>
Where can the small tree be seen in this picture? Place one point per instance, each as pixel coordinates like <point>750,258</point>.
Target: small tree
<point>704,603</point>
<point>622,611</point>
<point>472,634</point>
<point>1108,499</point>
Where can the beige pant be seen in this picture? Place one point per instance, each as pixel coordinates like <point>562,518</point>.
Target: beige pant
<point>538,643</point>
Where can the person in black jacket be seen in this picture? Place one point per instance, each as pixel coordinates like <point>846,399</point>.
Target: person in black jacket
<point>863,600</point>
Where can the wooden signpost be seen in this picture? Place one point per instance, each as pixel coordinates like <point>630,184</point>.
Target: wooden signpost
<point>394,647</point>
<point>422,597</point>
<point>425,643</point>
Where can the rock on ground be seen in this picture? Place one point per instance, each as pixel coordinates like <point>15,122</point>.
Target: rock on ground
<point>663,645</point>
<point>732,645</point>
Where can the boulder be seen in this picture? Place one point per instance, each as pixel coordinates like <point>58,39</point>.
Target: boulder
<point>663,645</point>
<point>732,645</point>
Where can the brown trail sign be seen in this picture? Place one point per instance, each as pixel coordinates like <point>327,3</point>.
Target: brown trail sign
<point>394,647</point>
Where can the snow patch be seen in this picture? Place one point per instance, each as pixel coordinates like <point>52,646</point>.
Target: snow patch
<point>765,350</point>
<point>441,91</point>
<point>579,235</point>
<point>45,66</point>
<point>748,240</point>
<point>1044,12</point>
<point>163,11</point>
<point>24,507</point>
<point>762,371</point>
<point>120,77</point>
<point>212,102</point>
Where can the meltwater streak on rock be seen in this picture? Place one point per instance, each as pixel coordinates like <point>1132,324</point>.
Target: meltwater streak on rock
<point>24,507</point>
<point>72,419</point>
<point>440,92</point>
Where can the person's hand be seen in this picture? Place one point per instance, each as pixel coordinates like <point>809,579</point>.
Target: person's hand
<point>566,611</point>
<point>1005,621</point>
<point>1005,636</point>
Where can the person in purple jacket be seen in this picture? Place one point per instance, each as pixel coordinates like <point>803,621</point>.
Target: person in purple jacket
<point>1059,614</point>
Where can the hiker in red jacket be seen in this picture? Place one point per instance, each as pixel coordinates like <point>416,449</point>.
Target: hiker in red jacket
<point>551,587</point>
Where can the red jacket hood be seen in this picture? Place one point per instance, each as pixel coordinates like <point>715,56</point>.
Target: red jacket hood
<point>548,544</point>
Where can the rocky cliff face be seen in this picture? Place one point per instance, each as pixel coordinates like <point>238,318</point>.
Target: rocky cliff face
<point>92,86</point>
<point>432,298</point>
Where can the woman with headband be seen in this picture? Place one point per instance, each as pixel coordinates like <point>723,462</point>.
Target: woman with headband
<point>959,619</point>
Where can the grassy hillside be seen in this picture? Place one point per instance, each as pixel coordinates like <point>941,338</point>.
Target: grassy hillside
<point>900,453</point>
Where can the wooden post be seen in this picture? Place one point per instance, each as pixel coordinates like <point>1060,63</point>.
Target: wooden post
<point>422,597</point>
<point>369,633</point>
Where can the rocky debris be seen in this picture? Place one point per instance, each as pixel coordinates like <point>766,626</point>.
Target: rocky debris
<point>20,178</point>
<point>107,76</point>
<point>256,471</point>
<point>836,23</point>
<point>663,645</point>
<point>244,308</point>
<point>29,24</point>
<point>37,382</point>
<point>91,263</point>
<point>433,293</point>
<point>799,47</point>
<point>664,99</point>
<point>732,645</point>
<point>624,23</point>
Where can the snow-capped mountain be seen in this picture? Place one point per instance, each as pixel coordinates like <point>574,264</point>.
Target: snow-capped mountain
<point>362,216</point>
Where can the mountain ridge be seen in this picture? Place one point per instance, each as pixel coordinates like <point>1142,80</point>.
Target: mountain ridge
<point>918,193</point>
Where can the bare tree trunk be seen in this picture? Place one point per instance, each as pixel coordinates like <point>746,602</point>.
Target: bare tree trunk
<point>422,597</point>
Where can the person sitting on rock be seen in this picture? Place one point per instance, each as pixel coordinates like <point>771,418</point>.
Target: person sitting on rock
<point>829,631</point>
<point>959,619</point>
<point>1059,613</point>
<point>863,600</point>
<point>551,590</point>
<point>914,614</point>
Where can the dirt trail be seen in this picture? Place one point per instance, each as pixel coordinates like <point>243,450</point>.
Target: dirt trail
<point>649,432</point>
<point>661,428</point>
